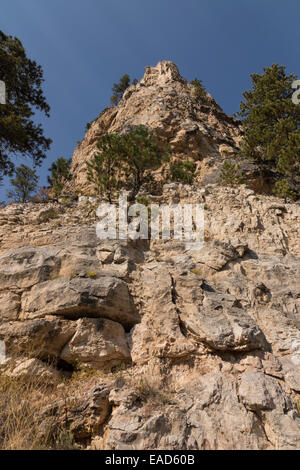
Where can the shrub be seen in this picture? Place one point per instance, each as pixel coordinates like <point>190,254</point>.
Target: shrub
<point>283,189</point>
<point>200,93</point>
<point>91,274</point>
<point>231,174</point>
<point>20,403</point>
<point>142,200</point>
<point>148,390</point>
<point>196,272</point>
<point>183,172</point>
<point>48,215</point>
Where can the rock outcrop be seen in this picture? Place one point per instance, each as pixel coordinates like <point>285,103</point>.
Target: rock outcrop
<point>156,344</point>
<point>166,104</point>
<point>196,349</point>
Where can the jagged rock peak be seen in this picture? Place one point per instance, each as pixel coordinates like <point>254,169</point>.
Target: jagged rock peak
<point>165,71</point>
<point>194,127</point>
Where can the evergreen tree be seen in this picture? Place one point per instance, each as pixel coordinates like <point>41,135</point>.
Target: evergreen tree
<point>24,183</point>
<point>125,161</point>
<point>105,169</point>
<point>60,174</point>
<point>200,93</point>
<point>272,125</point>
<point>18,132</point>
<point>119,88</point>
<point>141,155</point>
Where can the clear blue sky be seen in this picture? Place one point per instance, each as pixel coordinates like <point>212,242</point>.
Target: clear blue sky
<point>84,46</point>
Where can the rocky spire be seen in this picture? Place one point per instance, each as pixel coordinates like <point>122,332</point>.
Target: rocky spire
<point>166,103</point>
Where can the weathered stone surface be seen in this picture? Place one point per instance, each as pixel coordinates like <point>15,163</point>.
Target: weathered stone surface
<point>259,392</point>
<point>83,414</point>
<point>73,298</point>
<point>165,103</point>
<point>218,328</point>
<point>215,318</point>
<point>9,306</point>
<point>97,342</point>
<point>42,337</point>
<point>36,369</point>
<point>24,267</point>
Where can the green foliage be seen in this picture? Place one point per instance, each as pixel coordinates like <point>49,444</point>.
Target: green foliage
<point>119,88</point>
<point>183,172</point>
<point>105,169</point>
<point>272,123</point>
<point>142,200</point>
<point>200,93</point>
<point>48,215</point>
<point>24,183</point>
<point>18,132</point>
<point>140,154</point>
<point>60,174</point>
<point>125,161</point>
<point>196,272</point>
<point>91,274</point>
<point>283,189</point>
<point>231,174</point>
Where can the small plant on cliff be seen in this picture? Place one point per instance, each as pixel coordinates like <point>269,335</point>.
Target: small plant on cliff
<point>24,184</point>
<point>91,274</point>
<point>183,172</point>
<point>231,174</point>
<point>200,93</point>
<point>60,174</point>
<point>119,88</point>
<point>272,125</point>
<point>283,189</point>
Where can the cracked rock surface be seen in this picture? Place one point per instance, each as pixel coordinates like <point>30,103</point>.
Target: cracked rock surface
<point>193,349</point>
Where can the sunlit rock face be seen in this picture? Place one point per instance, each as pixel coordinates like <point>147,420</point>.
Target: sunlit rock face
<point>166,104</point>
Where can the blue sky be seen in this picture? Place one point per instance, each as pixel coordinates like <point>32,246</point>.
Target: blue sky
<point>84,46</point>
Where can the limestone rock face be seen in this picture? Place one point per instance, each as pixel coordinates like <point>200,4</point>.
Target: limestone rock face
<point>158,344</point>
<point>175,347</point>
<point>98,342</point>
<point>105,297</point>
<point>166,104</point>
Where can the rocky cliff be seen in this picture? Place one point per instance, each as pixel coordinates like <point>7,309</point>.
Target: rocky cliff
<point>150,344</point>
<point>167,105</point>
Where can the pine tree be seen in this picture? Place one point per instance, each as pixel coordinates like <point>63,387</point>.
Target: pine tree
<point>141,155</point>
<point>200,93</point>
<point>125,161</point>
<point>272,125</point>
<point>105,169</point>
<point>19,135</point>
<point>119,88</point>
<point>60,174</point>
<point>24,183</point>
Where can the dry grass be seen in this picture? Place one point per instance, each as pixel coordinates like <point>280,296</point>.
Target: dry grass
<point>21,401</point>
<point>150,389</point>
